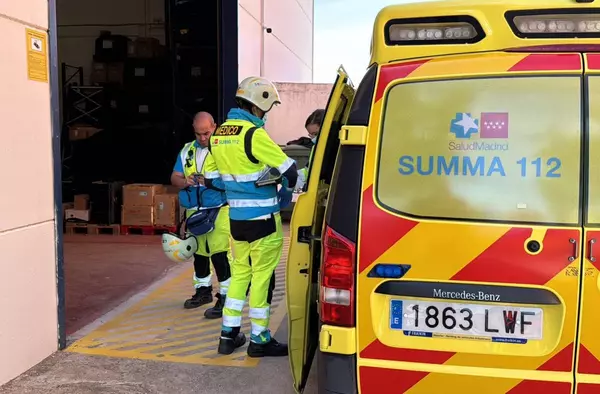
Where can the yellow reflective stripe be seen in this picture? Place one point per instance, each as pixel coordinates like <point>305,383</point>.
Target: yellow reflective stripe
<point>259,313</point>
<point>212,175</point>
<point>256,203</point>
<point>286,165</point>
<point>242,178</point>
<point>202,282</point>
<point>232,321</point>
<point>234,305</point>
<point>262,217</point>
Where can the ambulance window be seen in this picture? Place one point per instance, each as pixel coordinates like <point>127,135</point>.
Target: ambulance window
<point>361,105</point>
<point>500,149</point>
<point>333,142</point>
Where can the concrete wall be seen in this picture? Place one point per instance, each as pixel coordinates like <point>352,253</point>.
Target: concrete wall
<point>28,331</point>
<point>298,100</point>
<point>287,51</point>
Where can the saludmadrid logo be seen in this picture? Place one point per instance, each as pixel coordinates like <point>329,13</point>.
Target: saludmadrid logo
<point>477,146</point>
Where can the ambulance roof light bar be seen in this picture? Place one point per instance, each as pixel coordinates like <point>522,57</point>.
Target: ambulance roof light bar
<point>555,24</point>
<point>433,31</point>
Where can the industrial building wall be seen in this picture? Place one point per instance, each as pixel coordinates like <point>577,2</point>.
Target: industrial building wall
<point>286,122</point>
<point>287,52</point>
<point>28,298</point>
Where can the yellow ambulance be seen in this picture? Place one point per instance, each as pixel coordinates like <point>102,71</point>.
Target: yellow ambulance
<point>446,241</point>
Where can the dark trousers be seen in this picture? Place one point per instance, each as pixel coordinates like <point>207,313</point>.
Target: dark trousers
<point>220,262</point>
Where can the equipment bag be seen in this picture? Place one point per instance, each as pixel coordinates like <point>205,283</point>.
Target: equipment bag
<point>203,220</point>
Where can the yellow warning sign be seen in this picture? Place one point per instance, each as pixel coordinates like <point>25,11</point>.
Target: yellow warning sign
<point>37,55</point>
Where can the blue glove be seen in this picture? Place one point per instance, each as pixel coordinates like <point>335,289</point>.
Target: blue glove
<point>284,195</point>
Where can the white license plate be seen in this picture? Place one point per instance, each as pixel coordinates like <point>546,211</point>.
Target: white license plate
<point>492,322</point>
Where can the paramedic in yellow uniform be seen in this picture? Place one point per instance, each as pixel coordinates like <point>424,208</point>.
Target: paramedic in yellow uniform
<point>214,245</point>
<point>241,152</point>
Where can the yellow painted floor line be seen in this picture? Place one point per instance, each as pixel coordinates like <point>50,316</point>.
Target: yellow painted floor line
<point>159,328</point>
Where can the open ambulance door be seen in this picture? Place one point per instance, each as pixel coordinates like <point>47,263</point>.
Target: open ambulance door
<point>304,256</point>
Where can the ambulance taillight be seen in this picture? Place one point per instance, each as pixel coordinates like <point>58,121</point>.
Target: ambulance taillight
<point>338,280</point>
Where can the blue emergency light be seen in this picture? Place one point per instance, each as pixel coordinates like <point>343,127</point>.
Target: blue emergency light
<point>392,271</point>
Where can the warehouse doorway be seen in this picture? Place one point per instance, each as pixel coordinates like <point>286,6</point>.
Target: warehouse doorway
<point>131,76</point>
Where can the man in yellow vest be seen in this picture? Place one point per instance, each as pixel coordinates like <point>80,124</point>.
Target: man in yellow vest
<point>194,196</point>
<point>242,153</point>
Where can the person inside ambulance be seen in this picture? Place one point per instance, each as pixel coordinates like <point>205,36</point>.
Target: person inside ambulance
<point>313,126</point>
<point>213,245</point>
<point>243,155</point>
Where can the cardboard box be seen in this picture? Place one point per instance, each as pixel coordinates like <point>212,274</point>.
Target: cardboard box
<point>141,194</point>
<point>99,72</point>
<point>145,48</point>
<point>82,202</point>
<point>137,216</point>
<point>65,207</point>
<point>77,214</point>
<point>116,73</point>
<point>166,209</point>
<point>82,132</point>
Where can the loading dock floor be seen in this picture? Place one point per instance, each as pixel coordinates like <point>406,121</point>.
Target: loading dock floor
<point>102,271</point>
<point>159,328</point>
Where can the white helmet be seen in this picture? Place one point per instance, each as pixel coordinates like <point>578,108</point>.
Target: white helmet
<point>259,92</point>
<point>177,249</point>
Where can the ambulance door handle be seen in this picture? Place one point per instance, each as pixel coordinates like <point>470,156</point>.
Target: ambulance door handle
<point>591,250</point>
<point>575,250</point>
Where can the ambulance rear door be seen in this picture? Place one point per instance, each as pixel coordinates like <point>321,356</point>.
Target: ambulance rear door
<point>304,256</point>
<point>470,238</point>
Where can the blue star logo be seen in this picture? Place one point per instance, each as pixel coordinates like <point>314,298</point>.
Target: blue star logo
<point>464,125</point>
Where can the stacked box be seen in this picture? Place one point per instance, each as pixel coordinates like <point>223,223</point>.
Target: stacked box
<point>166,209</point>
<point>138,203</point>
<point>80,209</point>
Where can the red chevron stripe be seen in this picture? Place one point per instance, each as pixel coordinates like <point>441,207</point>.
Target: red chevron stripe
<point>548,62</point>
<point>379,231</point>
<point>393,72</point>
<point>378,351</point>
<point>587,388</point>
<point>506,261</point>
<point>561,361</point>
<point>387,381</point>
<point>540,387</point>
<point>588,363</point>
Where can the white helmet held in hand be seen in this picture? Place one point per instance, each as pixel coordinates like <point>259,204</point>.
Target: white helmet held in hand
<point>177,249</point>
<point>260,92</point>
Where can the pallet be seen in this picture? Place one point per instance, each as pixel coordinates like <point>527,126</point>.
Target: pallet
<point>92,229</point>
<point>147,230</point>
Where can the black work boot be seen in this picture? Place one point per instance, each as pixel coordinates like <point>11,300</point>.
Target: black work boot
<point>216,312</point>
<point>230,341</point>
<point>269,349</point>
<point>203,296</point>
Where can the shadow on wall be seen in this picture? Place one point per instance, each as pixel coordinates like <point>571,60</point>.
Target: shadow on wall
<point>286,122</point>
